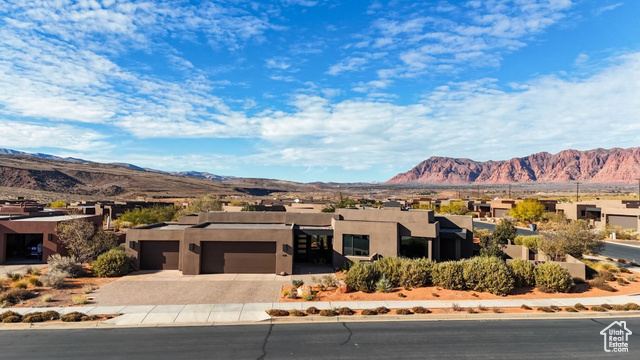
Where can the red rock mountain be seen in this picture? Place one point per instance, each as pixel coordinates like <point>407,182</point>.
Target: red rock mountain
<point>597,166</point>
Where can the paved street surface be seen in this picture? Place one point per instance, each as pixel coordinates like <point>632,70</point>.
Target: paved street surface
<point>629,252</point>
<point>504,339</point>
<point>489,226</point>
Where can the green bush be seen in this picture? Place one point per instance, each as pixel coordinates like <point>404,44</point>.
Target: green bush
<point>369,312</point>
<point>488,274</point>
<point>14,276</point>
<point>416,273</point>
<point>384,285</point>
<point>553,277</point>
<point>12,319</point>
<point>113,263</point>
<point>345,311</point>
<point>362,276</point>
<point>308,296</point>
<point>72,317</point>
<point>7,314</point>
<point>50,315</point>
<point>598,308</point>
<point>403,312</point>
<point>33,317</point>
<point>524,272</point>
<point>579,306</point>
<point>449,275</point>
<point>382,310</point>
<point>153,215</point>
<point>297,313</point>
<point>389,267</point>
<point>297,283</point>
<point>328,313</point>
<point>530,242</point>
<point>606,275</point>
<point>312,310</point>
<point>632,306</point>
<point>33,271</point>
<point>420,310</point>
<point>22,284</point>
<point>599,283</point>
<point>35,281</point>
<point>15,296</point>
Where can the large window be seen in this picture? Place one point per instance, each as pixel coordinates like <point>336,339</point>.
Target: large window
<point>355,245</point>
<point>414,247</point>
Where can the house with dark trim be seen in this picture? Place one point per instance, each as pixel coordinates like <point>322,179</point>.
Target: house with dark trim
<point>273,242</point>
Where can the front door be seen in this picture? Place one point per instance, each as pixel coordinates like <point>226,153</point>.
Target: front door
<point>301,248</point>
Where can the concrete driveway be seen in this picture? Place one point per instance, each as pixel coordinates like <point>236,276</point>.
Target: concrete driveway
<point>170,287</point>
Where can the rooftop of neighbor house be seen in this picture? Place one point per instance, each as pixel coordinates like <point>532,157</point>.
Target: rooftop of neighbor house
<point>53,218</point>
<point>246,226</point>
<point>171,227</point>
<point>308,227</point>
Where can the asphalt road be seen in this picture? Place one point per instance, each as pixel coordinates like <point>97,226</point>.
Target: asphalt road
<point>616,251</point>
<point>489,226</point>
<point>503,339</point>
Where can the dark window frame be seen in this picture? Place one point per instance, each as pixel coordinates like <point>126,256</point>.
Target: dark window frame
<point>348,248</point>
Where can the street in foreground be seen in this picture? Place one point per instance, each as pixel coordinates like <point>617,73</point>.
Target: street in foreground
<point>505,339</point>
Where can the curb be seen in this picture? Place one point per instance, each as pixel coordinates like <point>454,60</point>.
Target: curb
<point>336,319</point>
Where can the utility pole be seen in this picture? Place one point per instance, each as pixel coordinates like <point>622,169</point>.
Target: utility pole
<point>478,187</point>
<point>638,189</point>
<point>509,192</point>
<point>577,191</point>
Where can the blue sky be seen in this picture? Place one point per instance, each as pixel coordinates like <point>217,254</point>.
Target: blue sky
<point>309,90</point>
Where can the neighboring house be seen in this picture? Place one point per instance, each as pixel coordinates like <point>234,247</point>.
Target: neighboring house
<point>600,213</point>
<point>502,207</point>
<point>576,268</point>
<point>272,242</point>
<point>114,209</point>
<point>20,233</point>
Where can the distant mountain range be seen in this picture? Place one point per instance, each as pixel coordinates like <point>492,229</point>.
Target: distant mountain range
<point>597,166</point>
<point>193,174</point>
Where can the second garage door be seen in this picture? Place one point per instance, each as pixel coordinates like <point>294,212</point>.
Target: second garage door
<point>244,257</point>
<point>501,213</point>
<point>625,222</point>
<point>159,255</point>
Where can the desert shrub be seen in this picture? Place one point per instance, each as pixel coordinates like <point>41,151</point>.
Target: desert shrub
<point>631,278</point>
<point>79,299</point>
<point>625,270</point>
<point>482,308</point>
<point>524,272</point>
<point>470,310</point>
<point>292,294</point>
<point>599,283</point>
<point>403,312</point>
<point>606,275</point>
<point>33,317</point>
<point>496,310</point>
<point>12,319</point>
<point>90,318</point>
<point>420,310</point>
<point>68,265</point>
<point>277,312</point>
<point>488,274</point>
<point>449,275</point>
<point>382,310</point>
<point>622,281</point>
<point>555,308</point>
<point>308,296</point>
<point>456,307</point>
<point>598,308</point>
<point>46,298</point>
<point>416,273</point>
<point>83,240</point>
<point>530,242</point>
<point>329,281</point>
<point>618,308</point>
<point>384,284</point>
<point>113,263</point>
<point>15,296</point>
<point>622,261</point>
<point>33,271</point>
<point>402,295</point>
<point>525,307</point>
<point>14,276</point>
<point>579,306</point>
<point>50,315</point>
<point>545,309</point>
<point>435,295</point>
<point>389,267</point>
<point>369,312</point>
<point>570,309</point>
<point>362,276</point>
<point>606,306</point>
<point>35,281</point>
<point>53,279</point>
<point>297,283</point>
<point>632,306</point>
<point>345,311</point>
<point>72,317</point>
<point>22,284</point>
<point>312,310</point>
<point>7,314</point>
<point>297,313</point>
<point>87,289</point>
<point>551,276</point>
<point>328,313</point>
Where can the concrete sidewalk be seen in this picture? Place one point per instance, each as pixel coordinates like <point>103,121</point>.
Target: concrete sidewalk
<point>255,312</point>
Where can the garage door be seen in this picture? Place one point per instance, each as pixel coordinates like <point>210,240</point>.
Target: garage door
<point>501,213</point>
<point>626,222</point>
<point>159,255</point>
<point>246,257</point>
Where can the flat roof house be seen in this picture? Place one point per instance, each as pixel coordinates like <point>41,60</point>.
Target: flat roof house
<point>21,233</point>
<point>272,242</point>
<point>600,213</point>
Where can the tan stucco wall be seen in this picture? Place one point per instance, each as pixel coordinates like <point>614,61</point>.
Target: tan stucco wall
<point>139,235</point>
<point>383,238</point>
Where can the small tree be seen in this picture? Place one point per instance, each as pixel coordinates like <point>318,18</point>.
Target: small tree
<point>84,240</point>
<point>573,239</point>
<point>491,246</point>
<point>58,204</point>
<point>202,204</point>
<point>249,207</point>
<point>455,208</point>
<point>505,231</point>
<point>528,210</point>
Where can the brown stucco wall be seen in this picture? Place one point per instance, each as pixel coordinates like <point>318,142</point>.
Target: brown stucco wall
<point>383,238</point>
<point>136,236</point>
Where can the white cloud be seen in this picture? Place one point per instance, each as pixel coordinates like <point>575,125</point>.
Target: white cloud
<point>279,63</point>
<point>349,64</point>
<point>26,135</point>
<point>603,9</point>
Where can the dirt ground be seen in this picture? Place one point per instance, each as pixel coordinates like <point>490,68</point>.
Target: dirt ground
<point>60,297</point>
<point>438,293</point>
